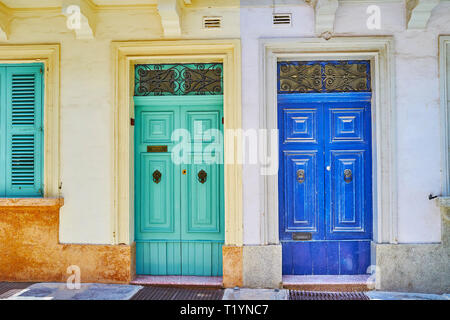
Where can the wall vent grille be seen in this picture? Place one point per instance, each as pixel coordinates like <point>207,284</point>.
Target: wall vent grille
<point>282,19</point>
<point>212,22</point>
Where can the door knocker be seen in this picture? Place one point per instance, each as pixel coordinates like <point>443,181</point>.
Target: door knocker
<point>202,176</point>
<point>157,176</point>
<point>348,175</point>
<point>301,175</point>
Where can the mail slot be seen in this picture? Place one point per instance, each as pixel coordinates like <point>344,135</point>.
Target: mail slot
<point>301,236</point>
<point>156,148</point>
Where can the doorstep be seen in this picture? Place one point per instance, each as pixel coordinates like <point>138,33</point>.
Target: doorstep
<point>179,281</point>
<point>360,282</point>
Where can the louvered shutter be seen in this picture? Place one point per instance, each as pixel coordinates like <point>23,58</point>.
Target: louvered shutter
<point>24,152</point>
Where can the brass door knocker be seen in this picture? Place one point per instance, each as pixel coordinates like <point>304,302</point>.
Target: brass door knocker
<point>202,176</point>
<point>348,175</point>
<point>157,176</point>
<point>301,175</point>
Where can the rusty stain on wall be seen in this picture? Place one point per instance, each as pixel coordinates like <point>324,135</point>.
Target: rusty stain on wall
<point>30,250</point>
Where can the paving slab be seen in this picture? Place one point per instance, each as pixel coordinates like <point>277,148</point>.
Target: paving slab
<point>382,295</point>
<point>256,294</point>
<point>87,291</point>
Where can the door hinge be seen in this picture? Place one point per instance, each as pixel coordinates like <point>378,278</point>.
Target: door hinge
<point>132,121</point>
<point>223,121</point>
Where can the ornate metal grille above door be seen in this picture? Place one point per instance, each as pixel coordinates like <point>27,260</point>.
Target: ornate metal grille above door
<point>323,76</point>
<point>179,79</point>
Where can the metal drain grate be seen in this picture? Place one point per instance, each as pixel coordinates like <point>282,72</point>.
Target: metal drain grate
<point>8,289</point>
<point>319,295</point>
<point>160,293</point>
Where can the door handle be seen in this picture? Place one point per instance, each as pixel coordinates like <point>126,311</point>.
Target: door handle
<point>202,176</point>
<point>348,175</point>
<point>301,175</point>
<point>157,176</point>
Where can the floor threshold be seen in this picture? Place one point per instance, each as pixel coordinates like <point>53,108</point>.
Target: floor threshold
<point>334,283</point>
<point>179,281</point>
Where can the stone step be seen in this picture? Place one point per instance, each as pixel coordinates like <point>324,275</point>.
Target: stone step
<point>333,283</point>
<point>178,281</point>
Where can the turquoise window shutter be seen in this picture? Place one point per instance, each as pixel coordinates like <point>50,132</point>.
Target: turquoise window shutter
<point>2,131</point>
<point>24,131</point>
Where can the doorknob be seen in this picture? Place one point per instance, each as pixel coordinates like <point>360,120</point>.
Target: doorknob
<point>301,175</point>
<point>157,176</point>
<point>202,176</point>
<point>348,175</point>
<point>328,168</point>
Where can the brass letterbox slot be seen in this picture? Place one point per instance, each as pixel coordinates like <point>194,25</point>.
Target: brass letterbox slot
<point>301,236</point>
<point>156,148</point>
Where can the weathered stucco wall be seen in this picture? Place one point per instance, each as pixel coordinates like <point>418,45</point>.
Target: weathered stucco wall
<point>30,250</point>
<point>86,103</point>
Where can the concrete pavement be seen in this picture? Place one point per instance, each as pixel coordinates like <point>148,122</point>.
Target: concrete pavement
<point>96,291</point>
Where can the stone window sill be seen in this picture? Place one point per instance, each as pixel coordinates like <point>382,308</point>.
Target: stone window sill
<point>31,202</point>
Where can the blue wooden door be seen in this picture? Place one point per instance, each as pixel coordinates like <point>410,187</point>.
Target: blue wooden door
<point>179,204</point>
<point>325,181</point>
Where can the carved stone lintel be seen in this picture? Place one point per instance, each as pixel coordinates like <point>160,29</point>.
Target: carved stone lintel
<point>325,11</point>
<point>88,17</point>
<point>5,21</point>
<point>418,13</point>
<point>170,12</point>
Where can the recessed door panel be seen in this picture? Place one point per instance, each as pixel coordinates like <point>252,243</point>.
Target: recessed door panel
<point>300,125</point>
<point>301,197</point>
<point>157,126</point>
<point>157,209</point>
<point>200,122</point>
<point>347,207</point>
<point>202,199</point>
<point>347,125</point>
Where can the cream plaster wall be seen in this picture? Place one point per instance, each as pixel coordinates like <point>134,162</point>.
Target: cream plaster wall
<point>86,105</point>
<point>256,23</point>
<point>417,91</point>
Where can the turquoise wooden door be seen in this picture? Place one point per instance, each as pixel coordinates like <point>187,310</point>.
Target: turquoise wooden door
<point>179,206</point>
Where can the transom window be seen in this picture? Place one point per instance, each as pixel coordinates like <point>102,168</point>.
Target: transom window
<point>179,79</point>
<point>323,76</point>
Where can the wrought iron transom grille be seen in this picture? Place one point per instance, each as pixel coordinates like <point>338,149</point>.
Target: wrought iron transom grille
<point>323,76</point>
<point>178,79</point>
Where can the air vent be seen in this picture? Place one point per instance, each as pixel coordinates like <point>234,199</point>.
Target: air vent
<point>282,19</point>
<point>212,22</point>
